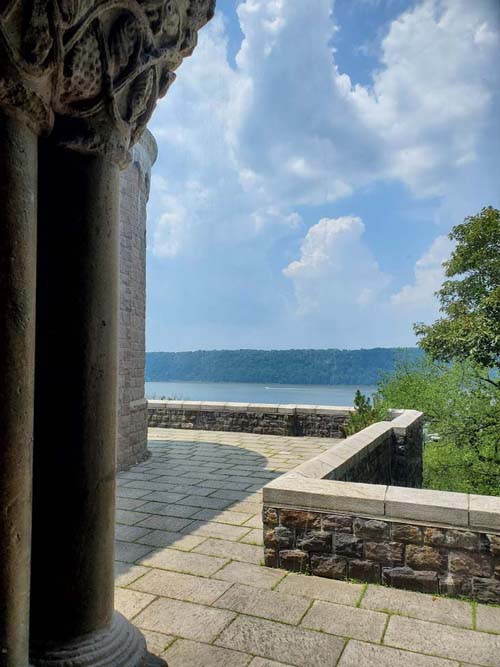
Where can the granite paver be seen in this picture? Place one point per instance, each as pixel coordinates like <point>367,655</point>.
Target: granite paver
<point>189,572</point>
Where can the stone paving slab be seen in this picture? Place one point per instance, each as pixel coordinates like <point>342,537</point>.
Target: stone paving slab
<point>345,621</point>
<point>184,619</point>
<point>186,653</point>
<point>299,647</point>
<point>181,586</point>
<point>443,641</point>
<point>488,618</point>
<point>359,654</point>
<point>424,607</point>
<point>189,573</point>
<point>265,604</point>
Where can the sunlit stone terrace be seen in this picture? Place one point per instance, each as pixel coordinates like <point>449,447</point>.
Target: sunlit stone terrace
<point>189,573</point>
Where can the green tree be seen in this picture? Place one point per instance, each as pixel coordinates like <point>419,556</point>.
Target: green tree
<point>462,413</point>
<point>470,297</point>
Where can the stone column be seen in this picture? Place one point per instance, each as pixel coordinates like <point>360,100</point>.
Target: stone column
<point>132,405</point>
<point>113,64</point>
<point>18,168</point>
<point>24,114</point>
<point>75,415</point>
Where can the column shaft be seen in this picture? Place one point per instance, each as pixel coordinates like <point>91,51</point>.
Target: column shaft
<point>76,385</point>
<point>18,170</point>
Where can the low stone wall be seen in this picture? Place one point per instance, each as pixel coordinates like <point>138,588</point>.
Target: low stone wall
<point>271,419</point>
<point>417,539</point>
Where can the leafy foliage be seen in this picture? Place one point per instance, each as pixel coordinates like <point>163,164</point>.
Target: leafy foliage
<point>365,414</point>
<point>462,407</point>
<point>276,366</point>
<point>470,298</point>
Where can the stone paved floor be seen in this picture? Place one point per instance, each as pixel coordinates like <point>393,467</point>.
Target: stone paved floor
<point>189,575</point>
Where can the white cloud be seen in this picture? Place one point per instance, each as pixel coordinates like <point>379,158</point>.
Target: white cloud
<point>243,148</point>
<point>429,276</point>
<point>336,269</point>
<point>338,280</point>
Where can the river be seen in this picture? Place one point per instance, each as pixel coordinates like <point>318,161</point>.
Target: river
<point>244,392</point>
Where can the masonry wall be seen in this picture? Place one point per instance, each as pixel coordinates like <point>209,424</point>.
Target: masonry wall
<point>254,418</point>
<point>411,556</point>
<point>132,406</point>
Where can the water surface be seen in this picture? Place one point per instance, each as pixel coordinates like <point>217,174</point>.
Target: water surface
<point>245,392</point>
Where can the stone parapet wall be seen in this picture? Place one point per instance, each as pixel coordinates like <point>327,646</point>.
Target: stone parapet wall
<point>132,406</point>
<point>269,419</point>
<point>354,512</point>
<point>413,556</point>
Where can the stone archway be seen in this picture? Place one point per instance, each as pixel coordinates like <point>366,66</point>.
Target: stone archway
<point>79,80</point>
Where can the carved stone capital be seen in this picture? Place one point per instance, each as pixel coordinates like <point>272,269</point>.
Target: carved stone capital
<point>95,66</point>
<point>25,82</point>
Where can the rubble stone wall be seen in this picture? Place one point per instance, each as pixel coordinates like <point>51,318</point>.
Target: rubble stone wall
<point>132,406</point>
<point>269,419</point>
<point>412,556</point>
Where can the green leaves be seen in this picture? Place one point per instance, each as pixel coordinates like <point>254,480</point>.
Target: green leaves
<point>470,299</point>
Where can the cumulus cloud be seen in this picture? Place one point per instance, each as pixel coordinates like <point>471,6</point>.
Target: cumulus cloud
<point>249,150</point>
<point>429,276</point>
<point>337,274</point>
<point>336,269</point>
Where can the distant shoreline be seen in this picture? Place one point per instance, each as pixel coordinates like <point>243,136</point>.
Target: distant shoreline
<point>328,367</point>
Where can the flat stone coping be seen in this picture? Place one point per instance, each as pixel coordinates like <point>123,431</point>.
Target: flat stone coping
<point>308,487</point>
<point>268,408</point>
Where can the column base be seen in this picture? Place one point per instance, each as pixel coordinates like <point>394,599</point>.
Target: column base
<point>121,645</point>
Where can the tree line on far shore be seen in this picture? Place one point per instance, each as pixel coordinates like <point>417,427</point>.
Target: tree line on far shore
<point>322,367</point>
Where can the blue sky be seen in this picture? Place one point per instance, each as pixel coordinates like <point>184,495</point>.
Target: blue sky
<point>313,157</point>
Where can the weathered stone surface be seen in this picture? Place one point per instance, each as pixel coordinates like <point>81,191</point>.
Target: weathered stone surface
<point>347,545</point>
<point>332,567</point>
<point>184,619</point>
<point>359,654</point>
<point>412,580</point>
<point>273,605</point>
<point>401,532</point>
<point>271,558</point>
<point>270,517</point>
<point>132,406</point>
<point>371,529</point>
<point>486,590</point>
<point>251,575</point>
<point>455,585</point>
<point>294,560</point>
<point>467,646</point>
<point>364,570</point>
<point>384,552</point>
<point>276,641</point>
<point>300,519</point>
<point>456,539</point>
<point>315,540</point>
<point>185,652</point>
<point>472,564</point>
<point>278,538</point>
<point>416,605</point>
<point>494,544</point>
<point>337,523</point>
<point>488,618</point>
<point>425,558</point>
<point>340,592</point>
<point>345,621</point>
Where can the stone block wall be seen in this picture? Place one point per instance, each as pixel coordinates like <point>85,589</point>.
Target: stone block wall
<point>290,420</point>
<point>132,406</point>
<point>354,512</point>
<point>411,556</point>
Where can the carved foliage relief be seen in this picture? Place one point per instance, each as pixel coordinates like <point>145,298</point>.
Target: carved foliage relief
<point>92,70</point>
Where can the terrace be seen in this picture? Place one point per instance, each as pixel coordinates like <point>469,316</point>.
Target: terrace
<point>189,571</point>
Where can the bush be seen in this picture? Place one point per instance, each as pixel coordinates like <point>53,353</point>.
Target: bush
<point>365,414</point>
<point>461,403</point>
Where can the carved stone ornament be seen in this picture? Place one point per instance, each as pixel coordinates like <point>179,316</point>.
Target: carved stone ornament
<point>91,71</point>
